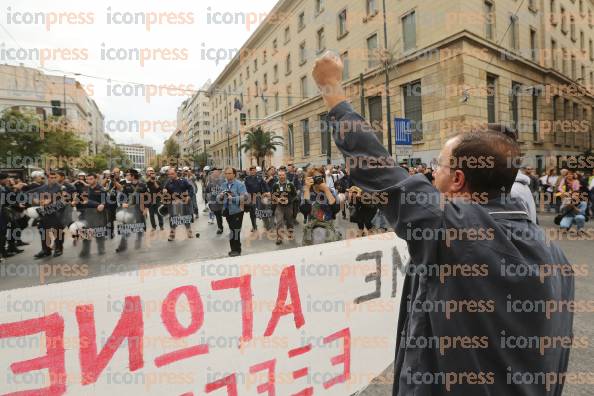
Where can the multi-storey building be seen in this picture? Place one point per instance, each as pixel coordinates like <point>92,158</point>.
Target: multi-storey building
<point>452,65</point>
<point>30,90</point>
<point>140,156</point>
<point>193,123</point>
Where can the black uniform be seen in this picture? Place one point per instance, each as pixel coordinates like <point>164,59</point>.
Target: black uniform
<point>509,239</point>
<point>133,195</point>
<point>51,217</point>
<point>96,221</point>
<point>255,187</point>
<point>154,188</point>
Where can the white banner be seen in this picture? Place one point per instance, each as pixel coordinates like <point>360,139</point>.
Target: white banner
<point>313,320</point>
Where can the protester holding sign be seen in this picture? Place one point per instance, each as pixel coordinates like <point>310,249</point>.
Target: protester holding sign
<point>468,220</point>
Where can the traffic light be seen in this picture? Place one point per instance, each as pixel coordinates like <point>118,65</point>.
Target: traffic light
<point>242,119</point>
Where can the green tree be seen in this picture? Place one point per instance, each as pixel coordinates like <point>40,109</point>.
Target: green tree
<point>20,135</point>
<point>261,144</point>
<point>171,149</point>
<point>94,163</point>
<point>63,143</point>
<point>200,159</point>
<point>115,157</point>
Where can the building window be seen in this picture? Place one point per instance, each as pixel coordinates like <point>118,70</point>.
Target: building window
<point>289,95</point>
<point>514,104</point>
<point>319,6</point>
<point>275,73</point>
<point>342,23</point>
<point>324,135</point>
<point>265,87</point>
<point>514,33</point>
<point>409,31</point>
<point>583,75</point>
<point>535,105</point>
<point>321,40</point>
<point>247,72</point>
<point>345,62</point>
<point>264,56</point>
<point>288,64</point>
<point>572,27</point>
<point>304,87</point>
<point>302,53</point>
<point>555,118</point>
<point>371,7</point>
<point>373,59</point>
<point>582,41</point>
<point>301,22</point>
<point>591,50</point>
<point>305,132</point>
<point>489,20</point>
<point>413,109</point>
<point>554,63</point>
<point>276,102</point>
<point>291,140</point>
<point>563,20</point>
<point>275,45</point>
<point>491,98</point>
<point>564,61</point>
<point>566,117</point>
<point>573,67</point>
<point>533,45</point>
<point>576,116</point>
<point>582,13</point>
<point>375,116</point>
<point>287,34</point>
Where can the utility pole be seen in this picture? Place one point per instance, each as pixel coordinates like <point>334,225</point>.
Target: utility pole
<point>387,75</point>
<point>239,148</point>
<point>64,86</point>
<point>362,94</point>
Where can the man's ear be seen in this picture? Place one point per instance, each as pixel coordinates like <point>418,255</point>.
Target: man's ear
<point>458,181</point>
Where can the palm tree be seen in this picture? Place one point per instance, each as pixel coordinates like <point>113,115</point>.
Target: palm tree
<point>261,144</point>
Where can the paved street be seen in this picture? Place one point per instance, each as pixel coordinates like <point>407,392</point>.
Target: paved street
<point>159,251</point>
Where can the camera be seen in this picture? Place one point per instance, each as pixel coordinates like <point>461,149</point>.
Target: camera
<point>318,179</point>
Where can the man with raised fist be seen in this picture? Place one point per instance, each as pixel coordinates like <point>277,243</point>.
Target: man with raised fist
<point>466,222</point>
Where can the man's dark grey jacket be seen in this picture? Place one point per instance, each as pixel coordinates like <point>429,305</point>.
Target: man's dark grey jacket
<point>497,319</point>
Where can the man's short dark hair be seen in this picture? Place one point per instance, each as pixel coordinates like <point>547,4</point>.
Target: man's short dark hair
<point>489,157</point>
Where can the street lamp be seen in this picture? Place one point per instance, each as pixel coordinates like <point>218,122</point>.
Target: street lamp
<point>387,79</point>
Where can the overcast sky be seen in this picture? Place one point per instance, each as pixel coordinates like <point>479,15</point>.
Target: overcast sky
<point>183,36</point>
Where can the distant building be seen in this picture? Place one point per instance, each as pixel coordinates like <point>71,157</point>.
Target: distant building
<point>32,91</point>
<point>140,156</point>
<point>453,65</point>
<point>193,123</point>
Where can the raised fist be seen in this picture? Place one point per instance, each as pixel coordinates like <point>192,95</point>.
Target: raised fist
<point>327,73</point>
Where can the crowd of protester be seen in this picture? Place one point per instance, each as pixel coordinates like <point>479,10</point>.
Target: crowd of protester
<point>116,204</point>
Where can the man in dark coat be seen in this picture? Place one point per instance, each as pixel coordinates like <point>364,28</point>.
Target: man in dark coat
<point>91,203</point>
<point>49,198</point>
<point>484,315</point>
